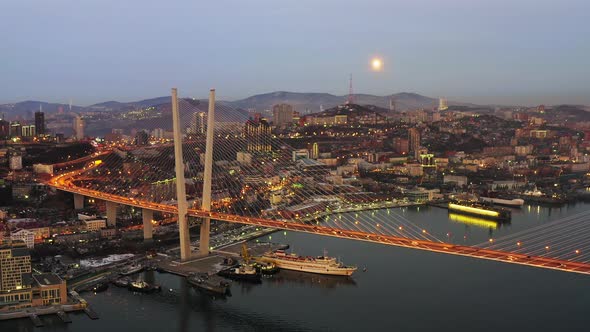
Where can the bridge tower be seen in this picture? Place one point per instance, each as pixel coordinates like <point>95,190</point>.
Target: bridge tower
<point>183,230</point>
<point>206,205</point>
<point>78,202</point>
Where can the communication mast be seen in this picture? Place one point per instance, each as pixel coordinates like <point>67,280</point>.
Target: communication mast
<point>350,99</point>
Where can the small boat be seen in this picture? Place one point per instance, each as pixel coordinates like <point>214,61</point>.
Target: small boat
<point>122,282</point>
<point>100,287</point>
<point>500,199</point>
<point>131,269</point>
<point>212,285</point>
<point>266,268</point>
<point>244,272</point>
<point>143,287</point>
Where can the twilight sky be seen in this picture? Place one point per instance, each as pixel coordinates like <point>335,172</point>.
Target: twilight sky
<point>483,51</point>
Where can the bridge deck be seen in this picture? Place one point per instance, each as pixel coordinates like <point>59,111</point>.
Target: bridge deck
<point>60,183</point>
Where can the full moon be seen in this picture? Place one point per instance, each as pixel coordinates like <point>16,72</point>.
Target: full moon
<point>376,64</point>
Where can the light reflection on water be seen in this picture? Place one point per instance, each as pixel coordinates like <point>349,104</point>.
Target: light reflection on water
<point>402,288</point>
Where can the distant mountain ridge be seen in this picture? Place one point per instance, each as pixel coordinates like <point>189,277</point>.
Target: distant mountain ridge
<point>311,102</point>
<point>303,102</point>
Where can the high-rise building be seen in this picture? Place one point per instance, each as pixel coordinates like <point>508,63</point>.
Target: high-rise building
<point>282,115</point>
<point>258,135</point>
<point>401,145</point>
<point>4,129</point>
<point>199,123</point>
<point>40,122</point>
<point>78,127</point>
<point>15,275</point>
<point>392,105</point>
<point>442,104</point>
<point>158,133</point>
<point>414,139</point>
<point>141,138</point>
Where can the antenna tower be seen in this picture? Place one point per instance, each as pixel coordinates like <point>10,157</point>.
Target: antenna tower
<point>350,99</point>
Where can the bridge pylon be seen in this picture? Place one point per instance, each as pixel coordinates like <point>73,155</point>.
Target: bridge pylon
<point>183,229</point>
<point>148,229</point>
<point>205,231</point>
<point>78,202</point>
<point>111,213</point>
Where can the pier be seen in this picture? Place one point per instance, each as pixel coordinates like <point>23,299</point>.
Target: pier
<point>60,310</point>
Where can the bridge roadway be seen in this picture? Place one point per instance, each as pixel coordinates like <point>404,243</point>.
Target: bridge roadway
<point>64,182</point>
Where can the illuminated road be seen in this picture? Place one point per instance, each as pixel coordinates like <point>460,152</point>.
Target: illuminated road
<point>64,182</point>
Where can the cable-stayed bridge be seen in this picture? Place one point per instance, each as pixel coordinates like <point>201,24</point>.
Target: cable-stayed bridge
<point>235,170</point>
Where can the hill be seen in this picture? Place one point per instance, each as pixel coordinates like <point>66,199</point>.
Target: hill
<point>311,102</point>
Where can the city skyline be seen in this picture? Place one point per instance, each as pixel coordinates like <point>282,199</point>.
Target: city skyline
<point>500,52</point>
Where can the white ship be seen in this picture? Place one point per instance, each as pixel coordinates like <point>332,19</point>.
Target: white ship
<point>515,202</point>
<point>320,264</point>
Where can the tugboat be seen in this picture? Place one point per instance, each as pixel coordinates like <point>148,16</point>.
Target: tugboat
<point>143,287</point>
<point>243,272</point>
<point>266,268</point>
<point>100,287</point>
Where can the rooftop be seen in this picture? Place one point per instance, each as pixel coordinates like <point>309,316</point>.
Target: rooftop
<point>47,279</point>
<point>13,244</point>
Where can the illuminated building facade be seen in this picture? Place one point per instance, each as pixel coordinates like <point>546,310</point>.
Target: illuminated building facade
<point>258,135</point>
<point>15,275</point>
<point>442,104</point>
<point>199,123</point>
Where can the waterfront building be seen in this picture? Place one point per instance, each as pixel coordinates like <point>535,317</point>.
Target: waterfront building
<point>48,289</point>
<point>15,275</point>
<point>95,224</point>
<point>459,180</point>
<point>421,195</point>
